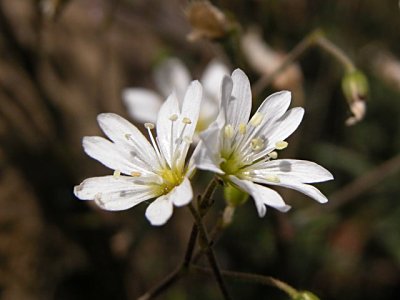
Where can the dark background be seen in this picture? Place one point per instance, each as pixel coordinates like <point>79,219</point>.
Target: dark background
<point>59,70</point>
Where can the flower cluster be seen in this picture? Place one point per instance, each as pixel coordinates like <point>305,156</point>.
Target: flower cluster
<point>241,150</point>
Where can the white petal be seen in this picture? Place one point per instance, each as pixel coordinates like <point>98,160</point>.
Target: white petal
<point>143,105</point>
<point>208,156</point>
<point>239,106</point>
<point>172,75</point>
<point>109,154</point>
<point>172,135</point>
<point>306,189</point>
<point>182,194</point>
<point>167,129</point>
<point>212,78</point>
<point>112,193</point>
<point>262,196</point>
<point>292,169</point>
<point>226,95</point>
<point>160,210</point>
<point>203,161</point>
<point>275,106</point>
<point>191,106</point>
<point>282,129</point>
<point>127,136</point>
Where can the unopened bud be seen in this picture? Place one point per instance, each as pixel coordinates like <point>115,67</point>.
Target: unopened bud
<point>207,21</point>
<point>233,196</point>
<point>305,295</point>
<point>355,88</point>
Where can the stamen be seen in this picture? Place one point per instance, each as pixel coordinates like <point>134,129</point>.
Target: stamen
<point>229,131</point>
<point>188,140</point>
<point>257,144</point>
<point>149,126</point>
<point>272,178</point>
<point>128,136</point>
<point>273,155</point>
<point>256,119</point>
<point>281,145</point>
<point>186,120</point>
<point>242,128</point>
<point>173,117</point>
<point>136,174</point>
<point>117,174</point>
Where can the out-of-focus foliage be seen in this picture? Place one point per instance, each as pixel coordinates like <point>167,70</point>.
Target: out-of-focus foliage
<point>63,62</point>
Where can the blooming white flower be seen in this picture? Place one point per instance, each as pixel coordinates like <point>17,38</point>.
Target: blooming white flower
<point>243,151</point>
<point>172,75</point>
<point>145,170</point>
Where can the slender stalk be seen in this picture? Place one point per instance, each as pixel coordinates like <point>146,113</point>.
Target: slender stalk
<point>297,51</point>
<point>336,52</point>
<point>207,199</point>
<point>253,278</point>
<point>170,279</point>
<point>209,252</point>
<point>315,38</point>
<point>164,284</point>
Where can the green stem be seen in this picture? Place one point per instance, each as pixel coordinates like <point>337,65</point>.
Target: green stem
<point>336,52</point>
<point>254,278</point>
<point>181,270</point>
<point>297,51</point>
<point>315,38</point>
<point>209,252</point>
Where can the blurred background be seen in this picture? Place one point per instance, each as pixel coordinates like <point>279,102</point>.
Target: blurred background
<point>64,61</point>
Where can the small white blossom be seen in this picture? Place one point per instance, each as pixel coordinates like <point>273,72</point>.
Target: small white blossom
<point>145,170</point>
<point>172,75</point>
<point>243,151</point>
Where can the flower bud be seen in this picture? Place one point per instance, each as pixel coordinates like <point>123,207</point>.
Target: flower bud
<point>305,295</point>
<point>355,88</point>
<point>233,196</point>
<point>207,21</point>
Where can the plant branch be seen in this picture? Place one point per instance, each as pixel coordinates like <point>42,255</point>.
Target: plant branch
<point>181,270</point>
<point>253,278</point>
<point>209,252</point>
<point>315,38</point>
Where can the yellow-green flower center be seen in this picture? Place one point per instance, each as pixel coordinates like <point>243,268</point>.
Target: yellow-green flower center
<point>171,179</point>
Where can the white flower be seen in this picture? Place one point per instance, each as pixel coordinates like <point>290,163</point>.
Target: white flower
<point>172,75</point>
<point>145,170</point>
<point>242,151</point>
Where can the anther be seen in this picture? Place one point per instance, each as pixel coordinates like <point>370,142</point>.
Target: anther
<point>272,178</point>
<point>229,131</point>
<point>281,145</point>
<point>188,140</point>
<point>136,174</point>
<point>257,144</point>
<point>256,119</point>
<point>273,155</point>
<point>173,117</point>
<point>186,120</point>
<point>116,174</point>
<point>149,125</point>
<point>242,128</point>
